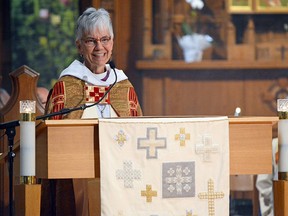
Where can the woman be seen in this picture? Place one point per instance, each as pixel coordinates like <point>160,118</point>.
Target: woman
<point>86,83</point>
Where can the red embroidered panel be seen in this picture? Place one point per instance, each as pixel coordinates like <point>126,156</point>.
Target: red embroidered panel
<point>133,101</point>
<point>58,98</point>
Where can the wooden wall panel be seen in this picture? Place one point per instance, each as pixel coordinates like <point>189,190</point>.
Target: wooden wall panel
<point>207,92</point>
<point>200,97</point>
<point>253,92</point>
<point>154,92</point>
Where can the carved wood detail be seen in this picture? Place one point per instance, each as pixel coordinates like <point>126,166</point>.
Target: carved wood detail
<point>24,87</point>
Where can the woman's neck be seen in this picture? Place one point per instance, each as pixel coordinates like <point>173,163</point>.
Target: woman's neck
<point>95,69</point>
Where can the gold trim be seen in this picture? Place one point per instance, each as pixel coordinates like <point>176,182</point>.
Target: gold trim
<point>283,176</point>
<point>283,115</point>
<point>30,180</point>
<point>270,8</point>
<point>27,117</point>
<point>246,8</point>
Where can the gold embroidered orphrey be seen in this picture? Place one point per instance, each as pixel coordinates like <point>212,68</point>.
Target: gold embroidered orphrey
<point>122,97</point>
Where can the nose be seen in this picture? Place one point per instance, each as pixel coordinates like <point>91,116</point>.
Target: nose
<point>97,43</point>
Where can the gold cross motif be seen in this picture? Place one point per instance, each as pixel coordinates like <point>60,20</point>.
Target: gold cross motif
<point>190,213</point>
<point>211,196</point>
<point>149,193</point>
<point>182,137</point>
<point>120,213</point>
<point>120,138</point>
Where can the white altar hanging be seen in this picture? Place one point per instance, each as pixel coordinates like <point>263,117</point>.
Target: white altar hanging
<point>164,166</point>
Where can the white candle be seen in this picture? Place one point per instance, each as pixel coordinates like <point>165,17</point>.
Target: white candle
<point>283,145</point>
<point>27,138</point>
<point>282,108</point>
<point>27,148</point>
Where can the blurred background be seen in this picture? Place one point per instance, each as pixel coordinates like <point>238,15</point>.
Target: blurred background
<point>200,57</point>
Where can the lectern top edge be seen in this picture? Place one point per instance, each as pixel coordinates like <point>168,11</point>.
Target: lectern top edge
<point>244,119</point>
<point>71,122</point>
<point>254,119</point>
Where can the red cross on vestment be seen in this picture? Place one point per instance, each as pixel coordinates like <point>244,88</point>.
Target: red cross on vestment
<point>95,93</point>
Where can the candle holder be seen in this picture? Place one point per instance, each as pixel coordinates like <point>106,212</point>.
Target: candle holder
<point>27,142</point>
<point>282,108</point>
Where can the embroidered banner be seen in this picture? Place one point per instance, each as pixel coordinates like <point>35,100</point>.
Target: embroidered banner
<point>164,166</point>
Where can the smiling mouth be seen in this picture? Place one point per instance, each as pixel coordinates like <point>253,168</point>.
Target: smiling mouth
<point>99,54</point>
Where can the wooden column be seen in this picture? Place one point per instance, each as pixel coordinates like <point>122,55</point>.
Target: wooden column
<point>280,189</point>
<point>27,200</point>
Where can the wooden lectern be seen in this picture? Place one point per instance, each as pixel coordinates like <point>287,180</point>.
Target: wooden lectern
<point>69,148</point>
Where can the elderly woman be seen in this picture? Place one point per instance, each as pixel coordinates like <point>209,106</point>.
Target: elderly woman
<point>85,83</point>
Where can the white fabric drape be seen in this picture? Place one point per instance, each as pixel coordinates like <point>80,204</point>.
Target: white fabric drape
<point>164,166</point>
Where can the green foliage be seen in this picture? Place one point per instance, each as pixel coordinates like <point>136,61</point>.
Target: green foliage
<point>47,45</point>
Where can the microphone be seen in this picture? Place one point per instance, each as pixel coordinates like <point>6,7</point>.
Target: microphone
<point>83,106</point>
<point>112,66</point>
<point>237,112</point>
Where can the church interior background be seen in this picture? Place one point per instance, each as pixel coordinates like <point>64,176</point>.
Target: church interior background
<point>240,60</point>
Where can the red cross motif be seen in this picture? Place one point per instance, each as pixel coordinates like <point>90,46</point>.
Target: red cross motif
<point>95,93</point>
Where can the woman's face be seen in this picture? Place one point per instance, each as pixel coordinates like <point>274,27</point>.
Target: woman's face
<point>96,49</point>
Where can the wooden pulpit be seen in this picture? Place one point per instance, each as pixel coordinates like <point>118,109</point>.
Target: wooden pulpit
<point>69,149</point>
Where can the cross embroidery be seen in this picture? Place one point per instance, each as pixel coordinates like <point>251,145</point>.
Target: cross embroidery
<point>190,213</point>
<point>95,93</point>
<point>178,179</point>
<point>120,213</point>
<point>182,137</point>
<point>120,138</point>
<point>151,143</point>
<point>181,179</point>
<point>149,193</point>
<point>206,147</point>
<point>211,196</point>
<point>128,174</point>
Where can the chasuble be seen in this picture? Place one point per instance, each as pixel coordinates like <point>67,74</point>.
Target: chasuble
<point>77,86</point>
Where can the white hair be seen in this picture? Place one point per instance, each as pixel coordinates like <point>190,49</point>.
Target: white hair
<point>94,19</point>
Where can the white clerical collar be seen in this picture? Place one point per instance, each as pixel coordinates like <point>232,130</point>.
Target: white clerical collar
<point>79,70</point>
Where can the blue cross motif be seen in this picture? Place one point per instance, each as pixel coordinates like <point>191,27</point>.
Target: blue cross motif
<point>151,143</point>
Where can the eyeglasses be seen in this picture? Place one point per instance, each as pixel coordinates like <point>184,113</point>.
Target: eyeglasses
<point>91,42</point>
